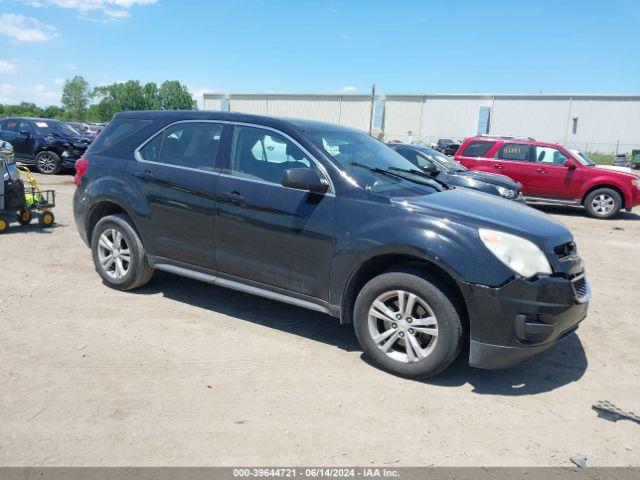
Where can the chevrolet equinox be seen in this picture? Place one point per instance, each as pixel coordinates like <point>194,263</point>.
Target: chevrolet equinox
<point>330,219</point>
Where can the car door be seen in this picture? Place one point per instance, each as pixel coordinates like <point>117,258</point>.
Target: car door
<point>176,173</point>
<point>515,161</point>
<point>19,134</point>
<point>553,178</point>
<point>267,233</point>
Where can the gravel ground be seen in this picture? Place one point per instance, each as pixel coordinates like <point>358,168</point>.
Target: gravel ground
<point>185,373</point>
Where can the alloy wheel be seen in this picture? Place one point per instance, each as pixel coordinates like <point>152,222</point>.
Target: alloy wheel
<point>46,163</point>
<point>403,326</point>
<point>603,204</point>
<point>114,254</point>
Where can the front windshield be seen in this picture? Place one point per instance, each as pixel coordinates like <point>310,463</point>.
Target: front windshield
<point>583,158</point>
<point>47,127</point>
<point>372,165</point>
<point>442,160</point>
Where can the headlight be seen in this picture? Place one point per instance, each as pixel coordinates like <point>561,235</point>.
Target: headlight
<point>506,192</point>
<point>520,255</point>
<point>635,182</point>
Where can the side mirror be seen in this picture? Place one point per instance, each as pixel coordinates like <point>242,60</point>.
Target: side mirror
<point>569,164</point>
<point>304,179</point>
<point>431,170</point>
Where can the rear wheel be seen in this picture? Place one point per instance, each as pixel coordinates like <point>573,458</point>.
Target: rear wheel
<point>603,203</point>
<point>4,225</point>
<point>46,219</point>
<point>407,324</point>
<point>118,253</point>
<point>48,163</point>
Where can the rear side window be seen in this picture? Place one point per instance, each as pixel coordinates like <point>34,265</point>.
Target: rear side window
<point>116,132</point>
<point>151,150</point>
<point>477,148</point>
<point>188,145</point>
<point>517,152</point>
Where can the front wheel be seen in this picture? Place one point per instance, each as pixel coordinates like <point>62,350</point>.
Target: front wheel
<point>48,163</point>
<point>407,324</point>
<point>24,217</point>
<point>118,253</point>
<point>603,203</point>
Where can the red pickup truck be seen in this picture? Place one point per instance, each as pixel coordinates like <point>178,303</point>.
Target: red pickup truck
<point>550,173</point>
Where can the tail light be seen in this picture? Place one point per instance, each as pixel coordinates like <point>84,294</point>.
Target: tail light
<point>82,164</point>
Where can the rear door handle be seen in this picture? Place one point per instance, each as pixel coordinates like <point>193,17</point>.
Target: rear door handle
<point>499,166</point>
<point>145,176</point>
<point>233,197</point>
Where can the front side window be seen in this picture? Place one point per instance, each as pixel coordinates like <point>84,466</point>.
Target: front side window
<point>477,149</point>
<point>151,150</point>
<point>516,152</point>
<point>48,127</point>
<point>189,145</point>
<point>549,155</point>
<point>260,154</point>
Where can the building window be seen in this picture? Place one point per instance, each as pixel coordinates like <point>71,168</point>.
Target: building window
<point>378,115</point>
<point>574,125</point>
<point>484,120</point>
<point>224,104</point>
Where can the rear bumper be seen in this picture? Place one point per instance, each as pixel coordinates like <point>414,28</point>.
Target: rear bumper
<point>523,318</point>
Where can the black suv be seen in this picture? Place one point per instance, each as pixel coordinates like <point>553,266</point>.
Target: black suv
<point>446,169</point>
<point>48,144</point>
<point>328,218</point>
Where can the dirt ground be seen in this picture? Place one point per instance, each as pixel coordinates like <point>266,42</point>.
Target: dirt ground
<point>185,373</point>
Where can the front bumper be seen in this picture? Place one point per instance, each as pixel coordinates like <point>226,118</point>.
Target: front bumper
<point>522,318</point>
<point>69,158</point>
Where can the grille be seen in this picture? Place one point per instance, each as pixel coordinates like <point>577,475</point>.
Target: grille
<point>566,250</point>
<point>581,289</point>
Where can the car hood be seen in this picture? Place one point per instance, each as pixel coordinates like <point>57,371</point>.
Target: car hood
<point>627,170</point>
<point>478,210</point>
<point>492,178</point>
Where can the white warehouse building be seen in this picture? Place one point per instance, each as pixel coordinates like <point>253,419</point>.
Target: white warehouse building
<point>597,123</point>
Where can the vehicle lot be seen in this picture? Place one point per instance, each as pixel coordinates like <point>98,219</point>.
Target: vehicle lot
<point>185,373</point>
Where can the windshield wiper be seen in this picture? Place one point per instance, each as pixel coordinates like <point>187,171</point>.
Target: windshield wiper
<point>420,173</point>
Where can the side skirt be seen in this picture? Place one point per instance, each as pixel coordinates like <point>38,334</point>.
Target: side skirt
<point>553,201</point>
<point>243,285</point>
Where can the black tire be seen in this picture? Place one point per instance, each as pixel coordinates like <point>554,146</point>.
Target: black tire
<point>609,197</point>
<point>48,163</point>
<point>138,271</point>
<point>24,217</point>
<point>440,300</point>
<point>4,225</point>
<point>46,219</point>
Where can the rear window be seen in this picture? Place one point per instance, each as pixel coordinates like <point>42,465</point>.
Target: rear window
<point>477,148</point>
<point>116,132</point>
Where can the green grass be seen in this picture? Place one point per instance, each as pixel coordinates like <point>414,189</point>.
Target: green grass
<point>601,158</point>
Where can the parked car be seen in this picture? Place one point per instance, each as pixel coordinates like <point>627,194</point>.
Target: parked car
<point>330,220</point>
<point>447,146</point>
<point>552,174</point>
<point>95,128</point>
<point>50,145</point>
<point>446,169</point>
<point>79,127</point>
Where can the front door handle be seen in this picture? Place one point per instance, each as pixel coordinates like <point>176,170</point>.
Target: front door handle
<point>499,166</point>
<point>541,170</point>
<point>145,176</point>
<point>233,197</point>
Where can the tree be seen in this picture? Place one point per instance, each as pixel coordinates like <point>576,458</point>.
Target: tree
<point>174,96</point>
<point>151,96</point>
<point>75,97</point>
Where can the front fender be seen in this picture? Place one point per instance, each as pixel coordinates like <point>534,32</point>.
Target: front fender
<point>606,181</point>
<point>385,229</point>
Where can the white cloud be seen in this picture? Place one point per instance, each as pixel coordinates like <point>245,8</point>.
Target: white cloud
<point>26,29</point>
<point>107,10</point>
<point>6,67</point>
<point>349,89</point>
<point>40,94</point>
<point>58,81</point>
<point>71,66</point>
<point>346,38</point>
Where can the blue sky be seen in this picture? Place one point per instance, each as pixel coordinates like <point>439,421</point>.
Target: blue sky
<point>321,46</point>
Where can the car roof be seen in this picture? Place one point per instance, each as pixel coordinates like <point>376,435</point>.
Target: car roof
<point>269,121</point>
<point>524,141</point>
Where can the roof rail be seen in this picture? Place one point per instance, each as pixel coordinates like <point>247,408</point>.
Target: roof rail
<point>505,137</point>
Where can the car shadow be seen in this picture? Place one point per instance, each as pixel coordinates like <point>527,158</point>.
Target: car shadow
<point>580,212</point>
<point>15,228</point>
<point>564,363</point>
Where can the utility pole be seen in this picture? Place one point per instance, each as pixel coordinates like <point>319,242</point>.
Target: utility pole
<point>373,99</point>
